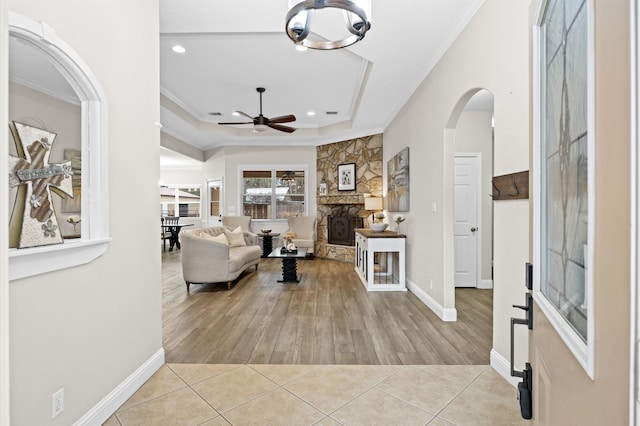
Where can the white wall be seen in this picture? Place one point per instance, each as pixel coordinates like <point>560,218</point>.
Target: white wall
<point>491,53</point>
<point>474,133</point>
<point>223,163</point>
<point>86,329</point>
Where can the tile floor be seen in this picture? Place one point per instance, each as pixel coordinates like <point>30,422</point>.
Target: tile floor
<point>266,394</point>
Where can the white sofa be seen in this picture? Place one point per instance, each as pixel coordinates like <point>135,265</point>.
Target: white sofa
<point>207,261</point>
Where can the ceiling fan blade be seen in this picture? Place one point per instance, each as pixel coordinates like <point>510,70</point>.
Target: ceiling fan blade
<point>245,114</point>
<point>244,122</point>
<point>281,128</point>
<point>283,119</point>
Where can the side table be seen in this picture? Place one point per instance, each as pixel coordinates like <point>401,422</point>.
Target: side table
<point>380,260</point>
<point>267,242</point>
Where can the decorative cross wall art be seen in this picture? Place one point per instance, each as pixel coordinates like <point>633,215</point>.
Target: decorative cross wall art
<point>35,178</point>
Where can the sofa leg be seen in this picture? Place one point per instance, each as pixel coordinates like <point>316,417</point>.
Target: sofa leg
<point>188,284</point>
<point>229,285</point>
<point>256,266</point>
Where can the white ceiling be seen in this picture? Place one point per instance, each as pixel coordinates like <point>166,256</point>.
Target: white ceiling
<point>234,46</point>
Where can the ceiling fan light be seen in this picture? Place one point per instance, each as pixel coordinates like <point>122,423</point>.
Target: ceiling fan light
<point>260,127</point>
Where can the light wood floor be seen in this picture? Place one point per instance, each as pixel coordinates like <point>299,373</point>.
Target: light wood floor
<point>328,318</point>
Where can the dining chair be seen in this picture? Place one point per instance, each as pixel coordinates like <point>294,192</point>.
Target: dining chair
<point>166,233</point>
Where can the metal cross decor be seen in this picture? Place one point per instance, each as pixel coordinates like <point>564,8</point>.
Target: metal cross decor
<point>35,178</point>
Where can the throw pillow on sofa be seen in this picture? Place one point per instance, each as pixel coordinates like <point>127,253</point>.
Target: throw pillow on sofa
<point>235,237</point>
<point>218,238</point>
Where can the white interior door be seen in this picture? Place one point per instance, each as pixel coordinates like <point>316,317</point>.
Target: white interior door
<point>466,219</point>
<point>214,199</point>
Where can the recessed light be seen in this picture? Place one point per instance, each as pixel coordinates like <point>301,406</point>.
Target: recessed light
<point>178,49</point>
<point>311,113</point>
<point>235,113</point>
<point>301,48</point>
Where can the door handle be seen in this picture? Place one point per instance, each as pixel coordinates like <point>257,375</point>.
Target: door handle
<point>474,229</point>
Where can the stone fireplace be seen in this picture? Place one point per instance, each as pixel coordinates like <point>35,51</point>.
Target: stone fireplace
<point>366,153</point>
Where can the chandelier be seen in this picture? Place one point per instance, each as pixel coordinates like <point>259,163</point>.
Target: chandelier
<point>357,19</point>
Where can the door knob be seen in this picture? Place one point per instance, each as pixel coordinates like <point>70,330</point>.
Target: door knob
<point>474,229</point>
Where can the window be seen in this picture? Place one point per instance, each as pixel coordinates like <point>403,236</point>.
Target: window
<point>564,164</point>
<point>180,200</point>
<point>273,194</point>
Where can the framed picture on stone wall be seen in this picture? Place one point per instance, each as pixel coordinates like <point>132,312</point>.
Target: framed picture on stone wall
<point>347,177</point>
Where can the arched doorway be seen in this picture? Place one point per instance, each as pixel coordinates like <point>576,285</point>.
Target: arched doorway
<point>468,140</point>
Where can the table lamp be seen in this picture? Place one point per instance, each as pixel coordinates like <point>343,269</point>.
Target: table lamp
<point>372,204</point>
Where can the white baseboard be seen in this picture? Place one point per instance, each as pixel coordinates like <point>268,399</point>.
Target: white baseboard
<point>503,367</point>
<point>445,314</point>
<point>110,403</point>
<point>485,284</point>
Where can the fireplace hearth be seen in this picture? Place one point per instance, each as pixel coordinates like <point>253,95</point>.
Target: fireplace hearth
<point>340,229</point>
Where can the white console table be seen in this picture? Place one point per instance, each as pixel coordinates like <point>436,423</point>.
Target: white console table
<point>380,260</point>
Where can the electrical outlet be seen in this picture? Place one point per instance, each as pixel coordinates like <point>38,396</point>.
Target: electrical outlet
<point>57,403</point>
<point>434,206</point>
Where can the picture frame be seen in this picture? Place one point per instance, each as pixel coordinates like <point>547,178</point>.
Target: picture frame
<point>347,177</point>
<point>398,182</point>
<point>73,205</point>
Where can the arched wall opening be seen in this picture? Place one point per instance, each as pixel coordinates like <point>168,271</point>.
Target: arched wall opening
<point>468,169</point>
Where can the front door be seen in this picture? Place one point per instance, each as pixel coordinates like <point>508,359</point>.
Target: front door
<point>466,219</point>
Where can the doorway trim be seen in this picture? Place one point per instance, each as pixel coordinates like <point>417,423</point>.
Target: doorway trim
<point>634,376</point>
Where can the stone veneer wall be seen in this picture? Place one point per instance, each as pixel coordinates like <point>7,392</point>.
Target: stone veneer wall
<point>366,152</point>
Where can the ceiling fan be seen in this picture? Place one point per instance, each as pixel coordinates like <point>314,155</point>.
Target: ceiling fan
<point>261,123</point>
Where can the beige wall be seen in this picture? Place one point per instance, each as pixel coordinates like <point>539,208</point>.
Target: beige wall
<point>86,329</point>
<point>474,133</point>
<point>491,53</point>
<point>565,394</point>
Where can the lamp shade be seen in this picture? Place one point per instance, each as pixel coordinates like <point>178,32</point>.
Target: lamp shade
<point>373,203</point>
